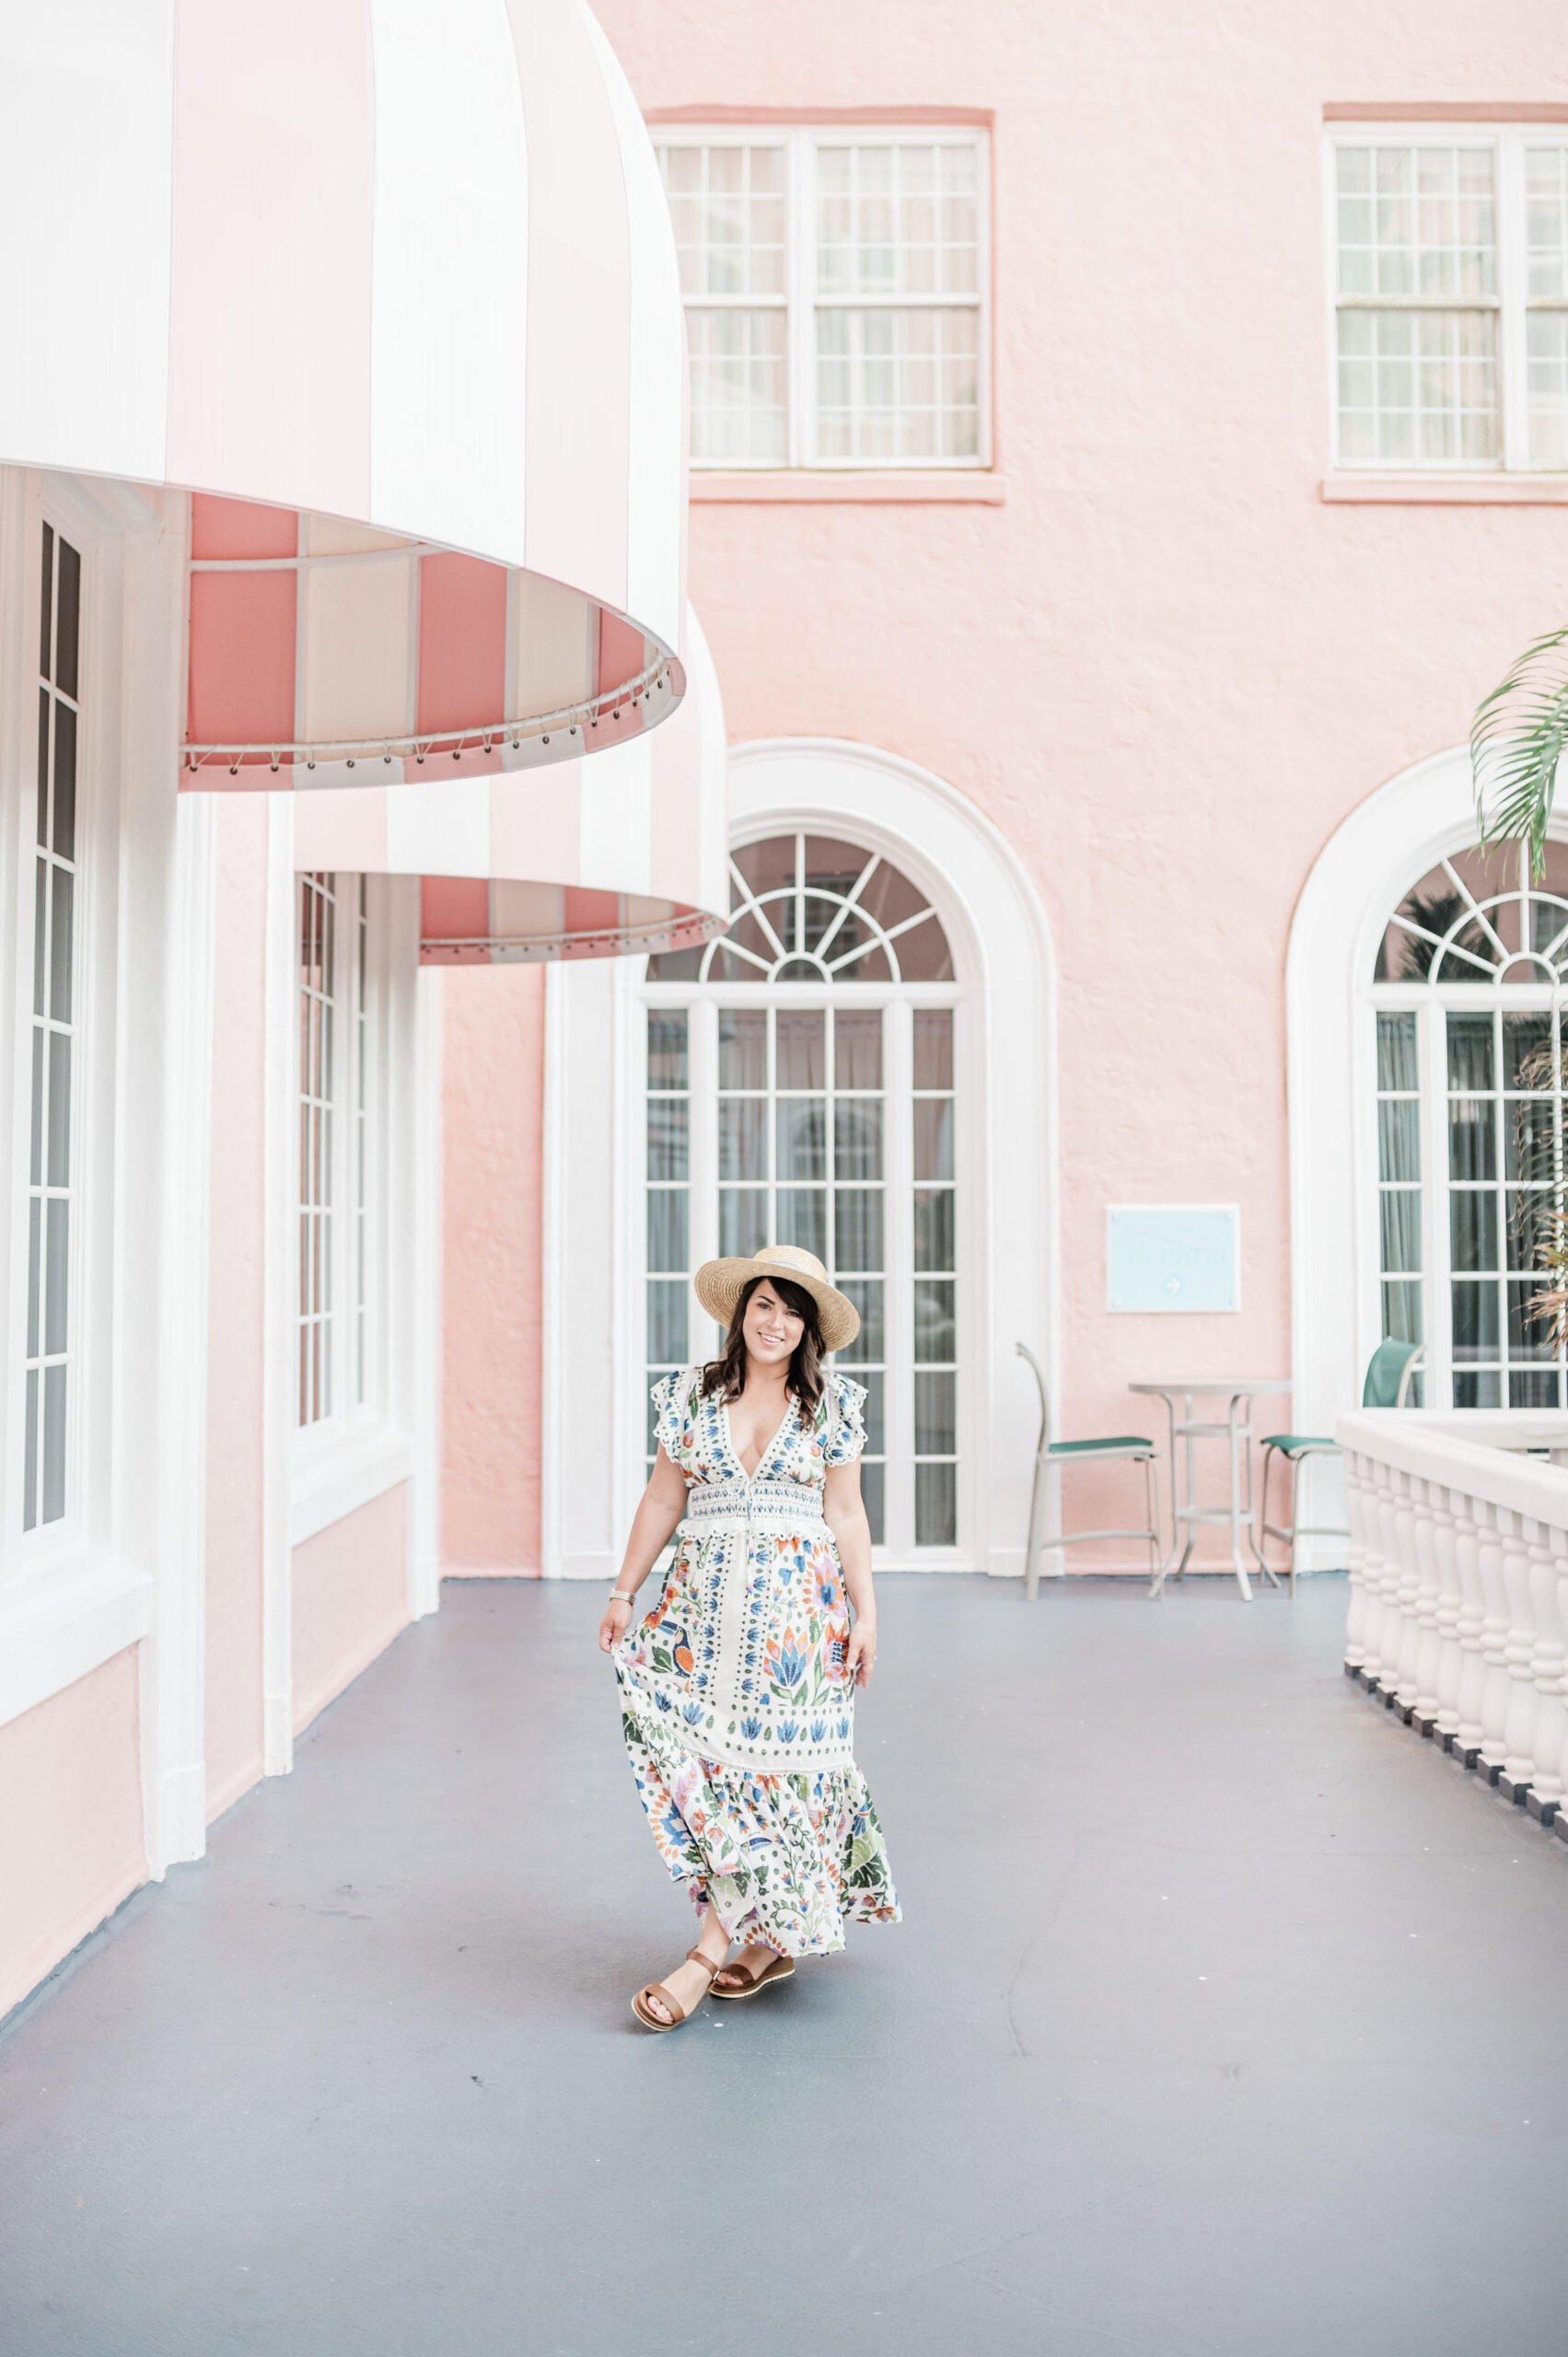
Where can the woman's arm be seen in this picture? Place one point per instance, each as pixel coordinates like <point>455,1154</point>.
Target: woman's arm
<point>663,1504</point>
<point>844,1511</point>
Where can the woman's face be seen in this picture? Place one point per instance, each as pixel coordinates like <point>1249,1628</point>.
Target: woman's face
<point>771,1331</point>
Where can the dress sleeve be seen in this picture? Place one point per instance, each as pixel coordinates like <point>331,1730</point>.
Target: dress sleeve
<point>849,1436</point>
<point>672,1419</point>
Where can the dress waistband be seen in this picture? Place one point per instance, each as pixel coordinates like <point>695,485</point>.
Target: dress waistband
<point>782,1506</point>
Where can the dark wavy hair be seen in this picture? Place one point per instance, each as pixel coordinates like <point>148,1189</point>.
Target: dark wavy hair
<point>726,1374</point>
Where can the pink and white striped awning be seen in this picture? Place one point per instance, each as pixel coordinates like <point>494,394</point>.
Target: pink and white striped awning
<point>620,850</point>
<point>389,285</point>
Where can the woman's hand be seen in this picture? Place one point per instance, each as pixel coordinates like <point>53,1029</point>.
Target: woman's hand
<point>617,1620</point>
<point>860,1656</point>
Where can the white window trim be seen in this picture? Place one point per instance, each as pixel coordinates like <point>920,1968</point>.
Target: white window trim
<point>1423,815</point>
<point>361,1448</point>
<point>127,1561</point>
<point>799,142</point>
<point>594,1399</point>
<point>1508,144</point>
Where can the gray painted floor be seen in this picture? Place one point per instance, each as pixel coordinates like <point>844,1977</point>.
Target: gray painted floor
<point>1226,2016</point>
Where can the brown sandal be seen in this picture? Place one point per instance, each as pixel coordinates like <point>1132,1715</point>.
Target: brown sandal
<point>781,1968</point>
<point>645,2014</point>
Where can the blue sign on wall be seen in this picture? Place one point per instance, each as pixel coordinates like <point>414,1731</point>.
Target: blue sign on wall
<point>1172,1256</point>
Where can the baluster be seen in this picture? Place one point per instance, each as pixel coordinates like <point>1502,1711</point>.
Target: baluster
<point>1403,1681</point>
<point>1493,1642</point>
<point>1559,1539</point>
<point>1469,1532</point>
<point>1447,1505</point>
<point>1547,1665</point>
<point>1518,1727</point>
<point>1426,1498</point>
<point>1355,1612</point>
<point>1382,1579</point>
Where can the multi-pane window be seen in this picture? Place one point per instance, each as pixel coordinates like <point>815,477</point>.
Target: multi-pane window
<point>339,1150</point>
<point>669,1204</point>
<point>935,1282</point>
<point>814,1106</point>
<point>1398,1178</point>
<point>1450,275</point>
<point>1470,1085</point>
<point>1504,1179</point>
<point>50,1191</point>
<point>835,295</point>
<point>318,1079</point>
<point>361,1149</point>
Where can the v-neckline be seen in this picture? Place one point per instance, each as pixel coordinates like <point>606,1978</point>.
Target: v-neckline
<point>772,1443</point>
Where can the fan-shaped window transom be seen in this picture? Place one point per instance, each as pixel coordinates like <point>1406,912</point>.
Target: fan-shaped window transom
<point>810,909</point>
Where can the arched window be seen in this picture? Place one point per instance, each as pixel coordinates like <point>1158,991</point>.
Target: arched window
<point>800,1089</point>
<point>1467,988</point>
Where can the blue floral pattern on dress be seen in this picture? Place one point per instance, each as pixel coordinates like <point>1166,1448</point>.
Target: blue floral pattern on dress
<point>736,1707</point>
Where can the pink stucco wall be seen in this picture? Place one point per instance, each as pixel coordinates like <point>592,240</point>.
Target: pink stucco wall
<point>349,1599</point>
<point>71,1845</point>
<point>492,1180</point>
<point>234,1309</point>
<point>1165,668</point>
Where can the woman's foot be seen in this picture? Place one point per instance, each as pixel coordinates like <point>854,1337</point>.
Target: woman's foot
<point>687,1984</point>
<point>742,1970</point>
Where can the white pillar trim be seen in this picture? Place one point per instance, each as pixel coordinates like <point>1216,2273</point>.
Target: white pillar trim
<point>1358,878</point>
<point>279,986</point>
<point>429,1140</point>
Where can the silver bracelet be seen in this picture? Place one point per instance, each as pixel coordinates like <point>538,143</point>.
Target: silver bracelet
<point>618,1596</point>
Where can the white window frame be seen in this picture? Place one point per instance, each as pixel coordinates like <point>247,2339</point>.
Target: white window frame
<point>1512,302</point>
<point>594,1399</point>
<point>340,1454</point>
<point>800,142</point>
<point>899,1000</point>
<point>93,1076</point>
<point>1432,1004</point>
<point>127,1557</point>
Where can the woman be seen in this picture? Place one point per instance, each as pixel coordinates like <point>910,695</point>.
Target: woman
<point>737,1689</point>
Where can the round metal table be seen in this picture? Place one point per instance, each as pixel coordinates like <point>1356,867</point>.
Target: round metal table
<point>1237,1430</point>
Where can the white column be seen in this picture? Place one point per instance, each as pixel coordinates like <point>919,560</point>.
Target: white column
<point>174,1664</point>
<point>428,1143</point>
<point>280,1195</point>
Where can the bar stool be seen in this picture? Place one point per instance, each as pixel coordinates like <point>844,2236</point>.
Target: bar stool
<point>1389,1374</point>
<point>1129,1447</point>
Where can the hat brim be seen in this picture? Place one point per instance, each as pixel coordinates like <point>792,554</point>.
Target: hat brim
<point>719,1285</point>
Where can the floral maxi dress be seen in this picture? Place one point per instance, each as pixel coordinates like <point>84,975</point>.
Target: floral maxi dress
<point>736,1707</point>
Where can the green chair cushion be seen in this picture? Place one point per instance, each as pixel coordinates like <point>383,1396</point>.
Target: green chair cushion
<point>1089,1448</point>
<point>1292,1444</point>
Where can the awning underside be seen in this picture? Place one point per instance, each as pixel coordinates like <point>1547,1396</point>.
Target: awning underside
<point>323,654</point>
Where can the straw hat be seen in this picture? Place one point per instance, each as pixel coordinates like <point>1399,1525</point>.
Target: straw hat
<point>720,1284</point>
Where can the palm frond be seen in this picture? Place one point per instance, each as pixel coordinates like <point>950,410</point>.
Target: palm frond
<point>1517,738</point>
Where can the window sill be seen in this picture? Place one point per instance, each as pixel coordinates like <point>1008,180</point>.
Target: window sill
<point>864,486</point>
<point>1416,490</point>
<point>333,1477</point>
<point>61,1621</point>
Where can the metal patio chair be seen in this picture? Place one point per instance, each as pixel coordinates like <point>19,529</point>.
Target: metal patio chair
<point>1390,1371</point>
<point>1129,1447</point>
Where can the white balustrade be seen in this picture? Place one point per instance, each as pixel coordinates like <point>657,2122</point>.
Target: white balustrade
<point>1459,1601</point>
